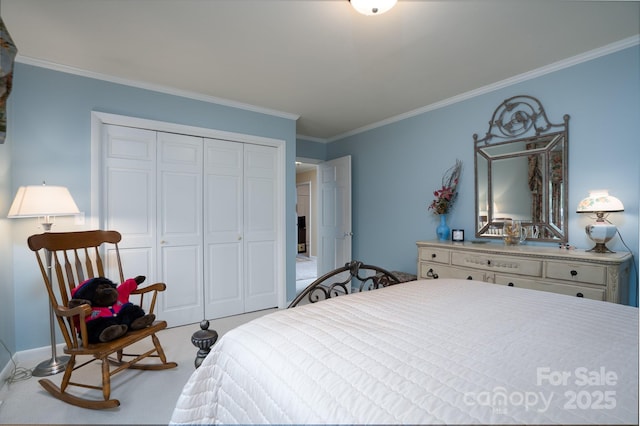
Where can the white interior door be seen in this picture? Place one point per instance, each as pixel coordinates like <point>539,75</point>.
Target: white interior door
<point>224,171</point>
<point>129,198</point>
<point>241,228</point>
<point>335,233</point>
<point>180,244</point>
<point>203,215</point>
<point>261,225</point>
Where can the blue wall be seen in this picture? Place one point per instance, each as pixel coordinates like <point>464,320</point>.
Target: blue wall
<point>397,167</point>
<point>49,139</point>
<point>311,149</point>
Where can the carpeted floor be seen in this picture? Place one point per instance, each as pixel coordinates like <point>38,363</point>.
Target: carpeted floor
<point>146,397</point>
<point>306,267</point>
<point>306,271</point>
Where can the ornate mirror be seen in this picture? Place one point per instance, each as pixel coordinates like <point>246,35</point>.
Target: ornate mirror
<point>521,172</point>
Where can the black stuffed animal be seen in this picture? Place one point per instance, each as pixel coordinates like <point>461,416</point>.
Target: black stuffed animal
<point>112,315</point>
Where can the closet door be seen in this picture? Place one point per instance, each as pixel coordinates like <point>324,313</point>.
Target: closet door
<point>129,198</point>
<point>223,237</point>
<point>200,215</point>
<point>260,224</point>
<point>180,243</point>
<point>241,251</point>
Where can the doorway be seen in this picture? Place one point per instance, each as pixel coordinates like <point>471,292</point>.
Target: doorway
<point>328,224</point>
<point>306,258</point>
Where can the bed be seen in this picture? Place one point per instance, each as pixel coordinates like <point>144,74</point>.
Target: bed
<point>424,352</point>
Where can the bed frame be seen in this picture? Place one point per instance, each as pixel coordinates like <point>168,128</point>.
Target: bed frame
<point>344,280</point>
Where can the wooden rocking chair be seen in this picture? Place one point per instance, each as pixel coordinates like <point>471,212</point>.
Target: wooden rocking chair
<point>78,256</point>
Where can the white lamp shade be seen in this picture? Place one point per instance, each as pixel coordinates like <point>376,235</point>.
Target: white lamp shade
<point>373,7</point>
<point>600,201</point>
<point>42,200</point>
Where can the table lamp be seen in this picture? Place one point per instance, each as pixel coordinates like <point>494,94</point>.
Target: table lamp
<point>600,232</point>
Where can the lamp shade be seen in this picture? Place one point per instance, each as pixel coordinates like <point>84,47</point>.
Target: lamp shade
<point>373,7</point>
<point>42,200</point>
<point>600,201</point>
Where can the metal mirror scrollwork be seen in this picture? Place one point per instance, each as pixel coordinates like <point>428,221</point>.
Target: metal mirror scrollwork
<point>521,172</point>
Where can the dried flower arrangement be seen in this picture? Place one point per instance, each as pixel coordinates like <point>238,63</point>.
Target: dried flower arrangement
<point>446,196</point>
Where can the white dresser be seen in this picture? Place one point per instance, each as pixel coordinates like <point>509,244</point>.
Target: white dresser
<point>571,272</point>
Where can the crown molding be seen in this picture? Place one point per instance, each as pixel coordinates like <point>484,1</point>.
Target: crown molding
<point>153,87</point>
<point>311,138</point>
<point>565,63</point>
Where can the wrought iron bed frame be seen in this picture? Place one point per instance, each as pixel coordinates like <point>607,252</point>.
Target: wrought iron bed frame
<point>371,277</point>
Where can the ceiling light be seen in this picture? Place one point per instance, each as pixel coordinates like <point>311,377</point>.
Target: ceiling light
<point>372,7</point>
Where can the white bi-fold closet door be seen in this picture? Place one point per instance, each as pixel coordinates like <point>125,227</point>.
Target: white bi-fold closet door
<point>198,214</point>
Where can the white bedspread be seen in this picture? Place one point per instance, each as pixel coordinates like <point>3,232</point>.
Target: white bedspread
<point>438,351</point>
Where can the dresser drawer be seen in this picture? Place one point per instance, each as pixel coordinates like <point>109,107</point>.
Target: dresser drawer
<point>569,290</point>
<point>495,263</point>
<point>576,272</point>
<point>434,254</point>
<point>432,270</point>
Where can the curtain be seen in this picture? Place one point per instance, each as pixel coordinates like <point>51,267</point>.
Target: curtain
<point>8,53</point>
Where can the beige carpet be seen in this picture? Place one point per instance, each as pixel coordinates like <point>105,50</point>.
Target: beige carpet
<point>146,397</point>
<point>306,271</point>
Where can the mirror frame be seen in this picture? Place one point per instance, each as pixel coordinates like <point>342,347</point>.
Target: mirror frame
<point>522,120</point>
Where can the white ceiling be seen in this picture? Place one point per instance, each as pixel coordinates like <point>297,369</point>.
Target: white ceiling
<point>338,70</point>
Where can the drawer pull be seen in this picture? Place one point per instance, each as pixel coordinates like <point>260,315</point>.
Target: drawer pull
<point>433,255</point>
<point>431,274</point>
<point>469,277</point>
<point>489,262</point>
<point>574,272</point>
<point>579,295</point>
<point>510,284</point>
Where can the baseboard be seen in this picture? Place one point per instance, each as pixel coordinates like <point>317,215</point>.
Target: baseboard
<point>5,374</point>
<point>28,359</point>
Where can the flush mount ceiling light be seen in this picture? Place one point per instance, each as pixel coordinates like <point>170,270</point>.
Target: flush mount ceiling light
<point>372,7</point>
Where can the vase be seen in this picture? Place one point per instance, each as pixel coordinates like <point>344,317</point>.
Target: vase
<point>443,231</point>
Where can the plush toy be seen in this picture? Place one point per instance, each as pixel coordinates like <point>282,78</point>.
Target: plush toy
<point>112,315</point>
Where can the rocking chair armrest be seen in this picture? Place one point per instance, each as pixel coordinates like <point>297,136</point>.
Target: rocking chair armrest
<point>76,324</point>
<point>151,287</point>
<point>82,311</point>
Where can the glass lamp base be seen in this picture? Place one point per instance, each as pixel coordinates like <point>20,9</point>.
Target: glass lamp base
<point>600,233</point>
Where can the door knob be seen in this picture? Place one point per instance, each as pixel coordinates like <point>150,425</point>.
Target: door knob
<point>348,234</point>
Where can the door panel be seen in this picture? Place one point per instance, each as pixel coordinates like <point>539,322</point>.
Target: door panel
<point>180,227</point>
<point>128,199</point>
<point>227,299</point>
<point>260,236</point>
<point>223,171</point>
<point>181,303</point>
<point>335,214</point>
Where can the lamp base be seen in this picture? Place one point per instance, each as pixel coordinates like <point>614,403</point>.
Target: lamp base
<point>50,367</point>
<point>600,233</point>
<point>600,248</point>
